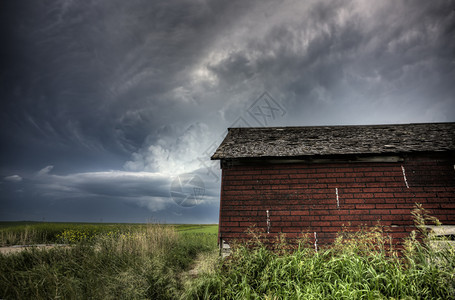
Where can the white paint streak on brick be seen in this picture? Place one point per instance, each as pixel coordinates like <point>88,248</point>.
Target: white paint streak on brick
<point>338,199</point>
<point>404,176</point>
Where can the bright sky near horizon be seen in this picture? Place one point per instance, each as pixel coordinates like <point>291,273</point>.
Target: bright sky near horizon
<point>110,110</point>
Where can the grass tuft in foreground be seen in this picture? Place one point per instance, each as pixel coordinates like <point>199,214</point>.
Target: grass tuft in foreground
<point>360,265</point>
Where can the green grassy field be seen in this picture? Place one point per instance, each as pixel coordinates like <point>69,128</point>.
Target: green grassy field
<point>152,261</point>
<point>191,228</point>
<point>27,233</point>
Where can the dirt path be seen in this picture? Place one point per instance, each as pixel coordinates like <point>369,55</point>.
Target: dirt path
<point>19,248</point>
<point>204,263</point>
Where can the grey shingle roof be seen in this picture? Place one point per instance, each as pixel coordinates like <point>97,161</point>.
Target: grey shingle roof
<point>283,142</point>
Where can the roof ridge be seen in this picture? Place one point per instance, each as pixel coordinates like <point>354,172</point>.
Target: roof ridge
<point>296,141</point>
<point>340,125</point>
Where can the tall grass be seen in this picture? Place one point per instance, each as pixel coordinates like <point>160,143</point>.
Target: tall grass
<point>360,265</point>
<point>154,263</point>
<point>141,264</point>
<point>28,233</point>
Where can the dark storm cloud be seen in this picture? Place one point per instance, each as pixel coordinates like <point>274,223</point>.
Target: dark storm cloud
<point>91,195</point>
<point>147,87</point>
<point>341,54</point>
<point>99,75</point>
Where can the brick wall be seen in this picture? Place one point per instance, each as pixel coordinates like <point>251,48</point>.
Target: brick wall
<point>303,197</point>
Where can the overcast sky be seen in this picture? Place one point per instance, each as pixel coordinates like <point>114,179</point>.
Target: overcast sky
<point>106,104</point>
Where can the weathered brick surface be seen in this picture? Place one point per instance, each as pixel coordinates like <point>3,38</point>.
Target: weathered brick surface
<point>302,197</point>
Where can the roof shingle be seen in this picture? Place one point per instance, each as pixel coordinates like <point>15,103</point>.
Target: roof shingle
<point>283,142</point>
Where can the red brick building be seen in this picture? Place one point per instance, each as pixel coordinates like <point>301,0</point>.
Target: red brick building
<point>315,179</point>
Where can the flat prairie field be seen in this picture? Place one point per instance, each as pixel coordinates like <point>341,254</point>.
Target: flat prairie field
<point>193,228</point>
<point>30,233</point>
